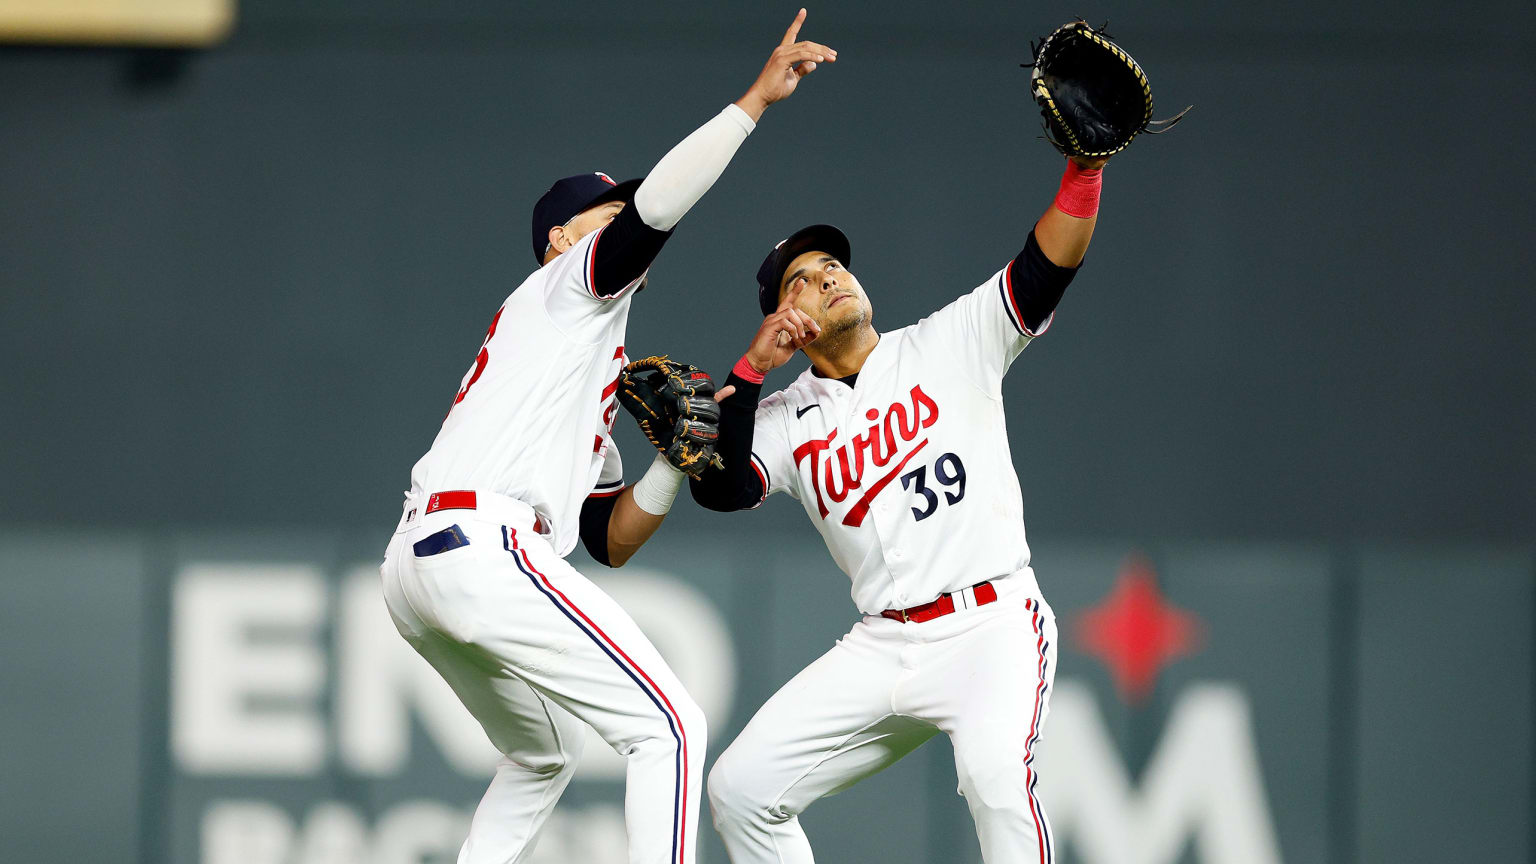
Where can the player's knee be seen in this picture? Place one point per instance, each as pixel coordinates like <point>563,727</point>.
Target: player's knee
<point>728,799</point>
<point>680,726</point>
<point>993,777</point>
<point>543,754</point>
<point>539,754</point>
<point>548,764</point>
<point>695,727</point>
<point>571,748</point>
<point>734,798</point>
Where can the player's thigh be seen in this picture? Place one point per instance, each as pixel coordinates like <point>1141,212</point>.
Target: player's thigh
<point>593,658</point>
<point>423,594</point>
<point>826,729</point>
<point>523,724</point>
<point>992,695</point>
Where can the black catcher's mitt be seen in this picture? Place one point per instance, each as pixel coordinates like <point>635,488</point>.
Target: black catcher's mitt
<point>675,405</point>
<point>1093,96</point>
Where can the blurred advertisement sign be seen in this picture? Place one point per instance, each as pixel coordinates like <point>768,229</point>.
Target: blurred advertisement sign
<point>1203,787</point>
<point>241,697</point>
<point>134,22</point>
<point>1203,781</point>
<point>304,730</point>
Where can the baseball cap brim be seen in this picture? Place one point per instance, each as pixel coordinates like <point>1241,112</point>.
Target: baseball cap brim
<point>618,192</point>
<point>812,238</point>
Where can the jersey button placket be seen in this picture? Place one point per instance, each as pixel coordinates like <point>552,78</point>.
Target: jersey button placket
<point>894,558</point>
<point>878,523</point>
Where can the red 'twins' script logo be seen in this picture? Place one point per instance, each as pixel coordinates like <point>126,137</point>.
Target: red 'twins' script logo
<point>879,442</point>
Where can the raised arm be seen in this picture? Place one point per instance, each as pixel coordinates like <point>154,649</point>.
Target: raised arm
<point>627,246</point>
<point>682,177</point>
<point>1067,226</point>
<point>1041,272</point>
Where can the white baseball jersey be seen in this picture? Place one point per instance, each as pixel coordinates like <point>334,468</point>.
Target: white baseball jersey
<point>533,418</point>
<point>907,475</point>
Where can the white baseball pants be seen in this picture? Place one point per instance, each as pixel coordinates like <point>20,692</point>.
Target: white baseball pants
<point>981,675</point>
<point>533,648</point>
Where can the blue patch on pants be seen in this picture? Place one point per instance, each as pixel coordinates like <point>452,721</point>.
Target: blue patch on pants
<point>449,538</point>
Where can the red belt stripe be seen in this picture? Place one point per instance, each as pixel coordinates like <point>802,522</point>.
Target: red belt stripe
<point>985,594</point>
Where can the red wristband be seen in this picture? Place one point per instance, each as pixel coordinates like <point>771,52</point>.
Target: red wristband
<point>747,372</point>
<point>1079,192</point>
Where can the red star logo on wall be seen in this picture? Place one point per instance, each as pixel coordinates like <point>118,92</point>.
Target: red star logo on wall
<point>1135,632</point>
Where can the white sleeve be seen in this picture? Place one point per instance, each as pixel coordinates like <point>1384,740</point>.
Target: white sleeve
<point>983,330</point>
<point>682,176</point>
<point>677,182</point>
<point>773,456</point>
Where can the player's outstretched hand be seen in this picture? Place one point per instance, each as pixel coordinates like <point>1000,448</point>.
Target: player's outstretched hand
<point>783,333</point>
<point>789,62</point>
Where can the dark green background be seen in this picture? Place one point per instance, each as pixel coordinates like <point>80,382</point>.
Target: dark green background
<point>238,289</point>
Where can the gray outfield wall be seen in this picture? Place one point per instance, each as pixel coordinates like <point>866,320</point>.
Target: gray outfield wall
<point>241,287</point>
<point>242,698</point>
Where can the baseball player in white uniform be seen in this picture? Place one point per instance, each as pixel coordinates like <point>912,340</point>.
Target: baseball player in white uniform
<point>523,467</point>
<point>895,444</point>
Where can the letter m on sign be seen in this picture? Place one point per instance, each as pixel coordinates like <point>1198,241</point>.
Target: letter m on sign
<point>1203,783</point>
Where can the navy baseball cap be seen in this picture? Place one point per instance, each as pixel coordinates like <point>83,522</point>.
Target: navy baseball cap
<point>571,195</point>
<point>823,238</point>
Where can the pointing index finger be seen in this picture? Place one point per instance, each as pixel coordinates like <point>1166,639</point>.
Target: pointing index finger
<point>794,28</point>
<point>791,297</point>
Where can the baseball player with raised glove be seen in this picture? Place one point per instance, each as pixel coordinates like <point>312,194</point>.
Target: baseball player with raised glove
<point>896,445</point>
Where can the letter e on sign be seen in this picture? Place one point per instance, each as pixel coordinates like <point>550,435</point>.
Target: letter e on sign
<point>247,669</point>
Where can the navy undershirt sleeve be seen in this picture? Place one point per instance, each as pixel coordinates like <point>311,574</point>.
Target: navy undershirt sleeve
<point>595,513</point>
<point>623,251</point>
<point>738,487</point>
<point>1038,285</point>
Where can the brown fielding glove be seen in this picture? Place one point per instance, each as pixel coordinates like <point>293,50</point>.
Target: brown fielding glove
<point>675,406</point>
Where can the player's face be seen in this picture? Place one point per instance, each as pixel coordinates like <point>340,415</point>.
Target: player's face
<point>584,223</point>
<point>592,219</point>
<point>828,293</point>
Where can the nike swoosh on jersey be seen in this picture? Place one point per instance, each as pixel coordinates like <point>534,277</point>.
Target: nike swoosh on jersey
<point>801,412</point>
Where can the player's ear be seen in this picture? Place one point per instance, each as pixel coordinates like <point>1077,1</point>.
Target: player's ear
<point>557,242</point>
